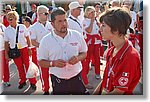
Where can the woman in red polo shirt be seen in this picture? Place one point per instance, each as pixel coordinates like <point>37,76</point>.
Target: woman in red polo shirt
<point>122,72</point>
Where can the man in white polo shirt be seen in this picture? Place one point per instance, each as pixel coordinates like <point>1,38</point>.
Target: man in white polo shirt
<point>73,21</point>
<point>39,29</point>
<point>63,52</point>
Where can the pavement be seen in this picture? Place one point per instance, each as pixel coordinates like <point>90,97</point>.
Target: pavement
<point>13,89</point>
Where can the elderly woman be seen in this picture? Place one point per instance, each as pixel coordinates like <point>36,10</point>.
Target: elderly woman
<point>122,72</point>
<point>91,30</point>
<point>23,45</point>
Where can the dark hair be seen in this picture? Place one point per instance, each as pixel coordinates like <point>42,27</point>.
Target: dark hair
<point>28,19</point>
<point>97,3</point>
<point>117,19</point>
<point>57,12</point>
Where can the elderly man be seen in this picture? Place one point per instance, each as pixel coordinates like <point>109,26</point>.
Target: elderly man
<point>73,21</point>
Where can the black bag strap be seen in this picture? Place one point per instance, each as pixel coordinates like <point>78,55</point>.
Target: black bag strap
<point>2,28</point>
<point>76,21</point>
<point>17,35</point>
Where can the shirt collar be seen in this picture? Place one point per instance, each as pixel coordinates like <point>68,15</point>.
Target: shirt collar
<point>73,17</point>
<point>122,51</point>
<point>13,27</point>
<point>58,37</point>
<point>42,24</point>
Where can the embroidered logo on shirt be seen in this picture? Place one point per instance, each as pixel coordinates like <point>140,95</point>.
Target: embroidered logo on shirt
<point>30,32</point>
<point>21,31</point>
<point>125,74</point>
<point>74,44</point>
<point>123,81</point>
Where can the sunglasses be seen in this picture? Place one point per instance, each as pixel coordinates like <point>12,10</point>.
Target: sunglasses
<point>44,14</point>
<point>8,9</point>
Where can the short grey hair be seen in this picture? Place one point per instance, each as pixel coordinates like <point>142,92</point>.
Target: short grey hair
<point>39,8</point>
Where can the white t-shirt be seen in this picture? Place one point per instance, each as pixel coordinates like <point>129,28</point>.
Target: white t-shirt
<point>10,36</point>
<point>59,48</point>
<point>95,30</point>
<point>74,25</point>
<point>2,28</point>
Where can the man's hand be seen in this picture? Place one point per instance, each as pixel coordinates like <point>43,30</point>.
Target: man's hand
<point>59,63</point>
<point>73,60</point>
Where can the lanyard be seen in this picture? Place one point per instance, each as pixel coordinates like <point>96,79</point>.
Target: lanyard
<point>76,21</point>
<point>111,66</point>
<point>2,28</point>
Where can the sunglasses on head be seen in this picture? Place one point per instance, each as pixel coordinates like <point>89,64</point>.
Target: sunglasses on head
<point>45,14</point>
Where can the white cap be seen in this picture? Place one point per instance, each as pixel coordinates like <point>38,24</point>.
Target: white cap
<point>74,5</point>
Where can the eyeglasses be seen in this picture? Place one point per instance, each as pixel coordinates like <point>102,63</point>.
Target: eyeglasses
<point>10,19</point>
<point>8,9</point>
<point>45,13</point>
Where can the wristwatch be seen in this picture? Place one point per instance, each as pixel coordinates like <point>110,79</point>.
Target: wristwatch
<point>51,63</point>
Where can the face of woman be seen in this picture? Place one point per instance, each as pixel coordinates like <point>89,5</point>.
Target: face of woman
<point>106,31</point>
<point>12,21</point>
<point>92,14</point>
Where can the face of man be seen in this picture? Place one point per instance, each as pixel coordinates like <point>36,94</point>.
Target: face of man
<point>43,15</point>
<point>60,24</point>
<point>77,11</point>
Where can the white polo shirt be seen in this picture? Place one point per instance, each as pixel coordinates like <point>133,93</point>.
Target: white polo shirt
<point>133,16</point>
<point>38,30</point>
<point>2,28</point>
<point>95,30</point>
<point>10,36</point>
<point>74,25</point>
<point>53,47</point>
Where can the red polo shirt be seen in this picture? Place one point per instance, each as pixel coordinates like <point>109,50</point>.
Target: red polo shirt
<point>123,70</point>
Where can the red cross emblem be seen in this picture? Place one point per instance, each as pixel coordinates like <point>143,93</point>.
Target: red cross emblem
<point>123,81</point>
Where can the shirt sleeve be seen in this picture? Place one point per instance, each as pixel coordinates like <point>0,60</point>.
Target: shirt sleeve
<point>83,46</point>
<point>128,74</point>
<point>32,33</point>
<point>43,51</point>
<point>6,36</point>
<point>25,31</point>
<point>85,24</point>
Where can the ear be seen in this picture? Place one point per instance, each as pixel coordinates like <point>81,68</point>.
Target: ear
<point>115,32</point>
<point>52,23</point>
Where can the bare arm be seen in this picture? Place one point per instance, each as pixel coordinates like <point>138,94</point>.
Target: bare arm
<point>55,63</point>
<point>29,45</point>
<point>116,91</point>
<point>34,43</point>
<point>89,29</point>
<point>97,90</point>
<point>75,59</point>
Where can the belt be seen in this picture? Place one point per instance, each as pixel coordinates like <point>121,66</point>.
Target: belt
<point>65,79</point>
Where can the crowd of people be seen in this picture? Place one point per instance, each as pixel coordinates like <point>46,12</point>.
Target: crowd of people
<point>64,45</point>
